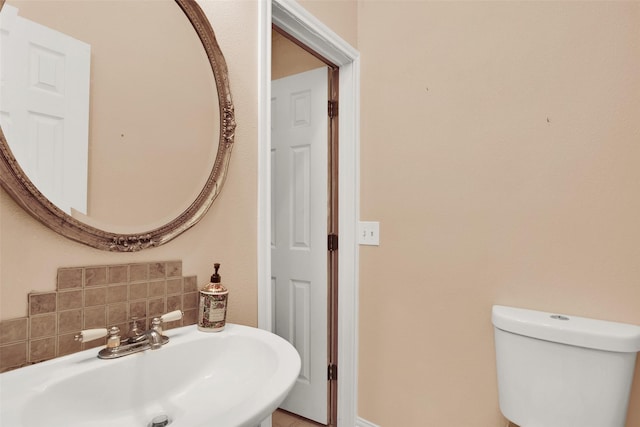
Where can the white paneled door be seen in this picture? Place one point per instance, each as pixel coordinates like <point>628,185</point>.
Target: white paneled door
<point>44,106</point>
<point>299,159</point>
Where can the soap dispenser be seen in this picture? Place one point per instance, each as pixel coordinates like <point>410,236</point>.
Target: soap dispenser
<point>212,313</point>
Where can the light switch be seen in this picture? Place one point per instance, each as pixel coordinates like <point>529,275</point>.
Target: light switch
<point>369,233</point>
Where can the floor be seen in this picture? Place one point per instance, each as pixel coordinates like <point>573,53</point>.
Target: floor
<point>282,418</point>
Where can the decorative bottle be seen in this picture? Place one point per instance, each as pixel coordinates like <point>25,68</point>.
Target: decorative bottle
<point>212,313</point>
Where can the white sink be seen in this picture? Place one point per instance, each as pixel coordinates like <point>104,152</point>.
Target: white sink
<point>233,378</point>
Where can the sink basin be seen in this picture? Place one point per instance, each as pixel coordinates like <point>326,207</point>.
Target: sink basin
<point>233,378</point>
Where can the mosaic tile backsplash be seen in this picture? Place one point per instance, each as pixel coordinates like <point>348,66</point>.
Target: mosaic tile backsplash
<point>95,297</point>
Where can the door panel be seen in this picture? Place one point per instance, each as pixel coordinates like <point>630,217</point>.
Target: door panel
<point>299,231</point>
<point>44,105</point>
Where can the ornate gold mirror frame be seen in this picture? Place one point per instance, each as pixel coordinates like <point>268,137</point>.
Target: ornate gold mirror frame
<point>23,191</point>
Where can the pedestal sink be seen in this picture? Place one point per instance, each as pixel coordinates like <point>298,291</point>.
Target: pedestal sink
<point>233,378</point>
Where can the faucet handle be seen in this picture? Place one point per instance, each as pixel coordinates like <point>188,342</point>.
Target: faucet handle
<point>156,323</point>
<point>91,334</point>
<point>113,342</point>
<point>171,316</point>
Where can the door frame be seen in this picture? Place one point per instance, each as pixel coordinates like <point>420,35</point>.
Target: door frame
<point>294,19</point>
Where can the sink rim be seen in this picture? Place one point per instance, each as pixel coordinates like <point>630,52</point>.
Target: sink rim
<point>17,387</point>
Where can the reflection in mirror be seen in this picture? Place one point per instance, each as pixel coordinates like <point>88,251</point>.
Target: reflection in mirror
<point>149,144</point>
<point>45,106</point>
<point>135,149</point>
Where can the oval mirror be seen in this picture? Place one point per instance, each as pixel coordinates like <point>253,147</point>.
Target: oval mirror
<point>109,130</point>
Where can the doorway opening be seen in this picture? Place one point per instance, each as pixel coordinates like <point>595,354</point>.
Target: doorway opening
<point>303,26</point>
<point>304,219</point>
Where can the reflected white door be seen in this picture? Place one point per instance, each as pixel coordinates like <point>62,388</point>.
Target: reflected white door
<point>299,158</point>
<point>44,106</point>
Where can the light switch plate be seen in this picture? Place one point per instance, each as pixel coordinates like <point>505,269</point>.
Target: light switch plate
<point>369,233</point>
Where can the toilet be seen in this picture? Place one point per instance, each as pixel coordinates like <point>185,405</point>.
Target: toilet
<point>563,371</point>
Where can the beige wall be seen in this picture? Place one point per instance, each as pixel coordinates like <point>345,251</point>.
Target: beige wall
<point>500,154</point>
<point>30,254</point>
<point>339,15</point>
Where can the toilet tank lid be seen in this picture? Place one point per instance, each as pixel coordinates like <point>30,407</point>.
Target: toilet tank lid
<point>565,329</point>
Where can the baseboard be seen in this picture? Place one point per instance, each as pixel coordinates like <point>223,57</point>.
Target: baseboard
<point>364,423</point>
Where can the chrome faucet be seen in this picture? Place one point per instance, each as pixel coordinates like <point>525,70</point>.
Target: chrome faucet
<point>135,341</point>
<point>154,335</point>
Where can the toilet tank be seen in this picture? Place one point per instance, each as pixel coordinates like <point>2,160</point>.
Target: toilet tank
<point>563,371</point>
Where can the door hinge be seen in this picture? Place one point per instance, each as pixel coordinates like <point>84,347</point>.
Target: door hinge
<point>333,109</point>
<point>332,242</point>
<point>332,372</point>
